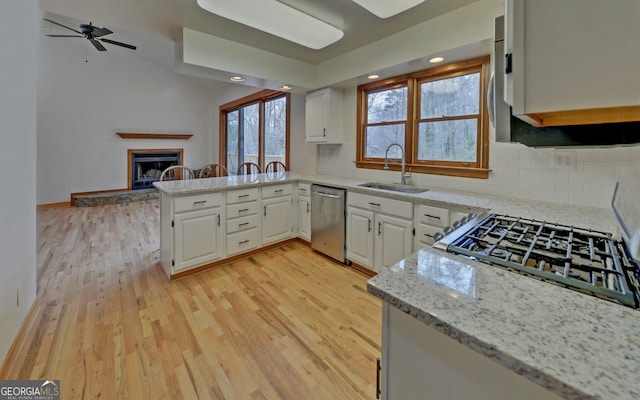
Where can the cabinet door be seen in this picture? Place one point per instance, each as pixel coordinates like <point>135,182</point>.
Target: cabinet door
<point>304,218</point>
<point>360,236</point>
<point>197,238</point>
<point>394,240</point>
<point>316,109</point>
<point>277,223</point>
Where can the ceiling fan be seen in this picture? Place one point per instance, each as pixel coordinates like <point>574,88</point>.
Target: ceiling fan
<point>92,34</point>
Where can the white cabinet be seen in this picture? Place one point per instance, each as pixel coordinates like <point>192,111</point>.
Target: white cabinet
<point>417,359</point>
<point>304,211</point>
<point>277,207</point>
<point>192,235</point>
<point>243,221</point>
<point>323,116</point>
<point>572,55</point>
<point>379,230</point>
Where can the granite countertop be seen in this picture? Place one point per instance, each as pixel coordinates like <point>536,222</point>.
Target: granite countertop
<point>568,214</point>
<point>575,345</point>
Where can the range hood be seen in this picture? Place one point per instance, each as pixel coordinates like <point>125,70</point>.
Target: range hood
<point>595,116</point>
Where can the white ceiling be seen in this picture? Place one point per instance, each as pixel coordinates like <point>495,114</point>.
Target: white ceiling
<point>149,24</point>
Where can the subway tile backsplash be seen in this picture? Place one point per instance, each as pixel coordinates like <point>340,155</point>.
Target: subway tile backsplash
<point>516,171</point>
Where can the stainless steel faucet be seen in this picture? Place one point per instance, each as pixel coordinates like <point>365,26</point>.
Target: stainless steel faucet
<point>403,176</point>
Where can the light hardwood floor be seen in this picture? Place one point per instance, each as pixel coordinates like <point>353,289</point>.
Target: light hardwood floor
<point>284,324</point>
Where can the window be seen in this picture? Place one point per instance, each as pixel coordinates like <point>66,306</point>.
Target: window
<point>255,129</point>
<point>439,116</point>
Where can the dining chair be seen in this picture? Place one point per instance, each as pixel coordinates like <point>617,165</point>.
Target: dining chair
<point>176,173</point>
<point>213,170</point>
<point>248,168</point>
<point>275,166</point>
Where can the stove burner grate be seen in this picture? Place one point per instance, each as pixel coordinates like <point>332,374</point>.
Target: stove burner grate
<point>581,259</point>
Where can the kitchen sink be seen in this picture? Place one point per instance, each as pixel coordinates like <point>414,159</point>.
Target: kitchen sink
<point>395,187</point>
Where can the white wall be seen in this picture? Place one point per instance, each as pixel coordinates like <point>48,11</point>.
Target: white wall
<point>81,106</point>
<point>18,30</point>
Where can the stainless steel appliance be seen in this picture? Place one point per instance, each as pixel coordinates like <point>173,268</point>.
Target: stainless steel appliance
<point>328,227</point>
<point>581,259</point>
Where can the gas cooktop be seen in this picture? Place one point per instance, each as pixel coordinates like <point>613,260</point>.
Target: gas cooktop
<point>581,259</point>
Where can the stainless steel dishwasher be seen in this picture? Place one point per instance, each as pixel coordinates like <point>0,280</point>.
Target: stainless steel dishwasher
<point>328,221</point>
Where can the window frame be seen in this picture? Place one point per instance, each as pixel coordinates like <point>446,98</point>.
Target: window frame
<point>478,169</point>
<point>259,98</point>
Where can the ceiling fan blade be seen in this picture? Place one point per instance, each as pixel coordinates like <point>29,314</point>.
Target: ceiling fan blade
<point>128,46</point>
<point>97,32</point>
<point>65,36</point>
<point>64,26</point>
<point>98,45</point>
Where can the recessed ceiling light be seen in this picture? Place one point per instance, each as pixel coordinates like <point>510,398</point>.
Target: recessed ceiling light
<point>373,76</point>
<point>278,19</point>
<point>436,60</point>
<point>286,87</point>
<point>236,79</point>
<point>387,8</point>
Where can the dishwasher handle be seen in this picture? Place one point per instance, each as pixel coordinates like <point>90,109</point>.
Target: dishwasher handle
<point>331,196</point>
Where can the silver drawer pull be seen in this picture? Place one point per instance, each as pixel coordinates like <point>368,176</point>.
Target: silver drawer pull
<point>278,191</point>
<point>199,202</point>
<point>243,195</point>
<point>432,216</point>
<point>427,235</point>
<point>243,210</point>
<point>302,190</point>
<point>374,204</point>
<point>244,242</point>
<point>243,224</point>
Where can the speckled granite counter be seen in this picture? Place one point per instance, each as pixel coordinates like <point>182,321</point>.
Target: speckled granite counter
<point>575,345</point>
<point>594,218</point>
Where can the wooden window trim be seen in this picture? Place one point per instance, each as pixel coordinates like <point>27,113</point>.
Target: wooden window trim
<point>478,169</point>
<point>259,97</point>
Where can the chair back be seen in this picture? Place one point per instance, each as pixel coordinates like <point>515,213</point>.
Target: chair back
<point>213,170</point>
<point>248,168</point>
<point>176,173</point>
<point>275,166</point>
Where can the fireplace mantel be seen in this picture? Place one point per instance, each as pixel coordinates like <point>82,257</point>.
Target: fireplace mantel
<point>174,136</point>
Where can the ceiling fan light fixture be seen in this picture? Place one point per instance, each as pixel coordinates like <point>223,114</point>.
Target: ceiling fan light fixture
<point>278,19</point>
<point>387,8</point>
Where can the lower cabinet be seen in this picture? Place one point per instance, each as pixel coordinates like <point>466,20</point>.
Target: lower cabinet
<point>191,231</point>
<point>379,230</point>
<point>419,362</point>
<point>277,215</point>
<point>304,211</point>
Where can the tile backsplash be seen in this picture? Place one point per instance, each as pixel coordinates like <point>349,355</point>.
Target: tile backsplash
<point>516,171</point>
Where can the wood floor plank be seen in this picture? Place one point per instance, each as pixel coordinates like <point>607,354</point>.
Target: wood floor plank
<point>286,323</point>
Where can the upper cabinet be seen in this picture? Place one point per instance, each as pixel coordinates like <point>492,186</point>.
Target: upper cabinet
<point>572,62</point>
<point>323,116</point>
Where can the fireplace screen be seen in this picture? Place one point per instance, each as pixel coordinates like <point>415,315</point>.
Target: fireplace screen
<point>146,167</point>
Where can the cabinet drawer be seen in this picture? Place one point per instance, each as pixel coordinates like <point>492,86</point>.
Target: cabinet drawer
<point>242,209</point>
<point>304,189</point>
<point>276,190</point>
<point>436,216</point>
<point>426,234</point>
<point>242,223</point>
<point>242,241</point>
<point>197,202</point>
<point>398,208</point>
<point>236,196</point>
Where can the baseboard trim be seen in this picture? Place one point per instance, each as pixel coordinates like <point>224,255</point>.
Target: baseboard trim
<point>19,342</point>
<point>53,205</point>
<point>231,259</point>
<point>364,270</point>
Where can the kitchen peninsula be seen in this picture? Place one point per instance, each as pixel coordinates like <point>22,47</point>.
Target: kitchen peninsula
<point>563,343</point>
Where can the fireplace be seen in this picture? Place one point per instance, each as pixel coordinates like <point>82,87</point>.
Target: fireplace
<point>146,165</point>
